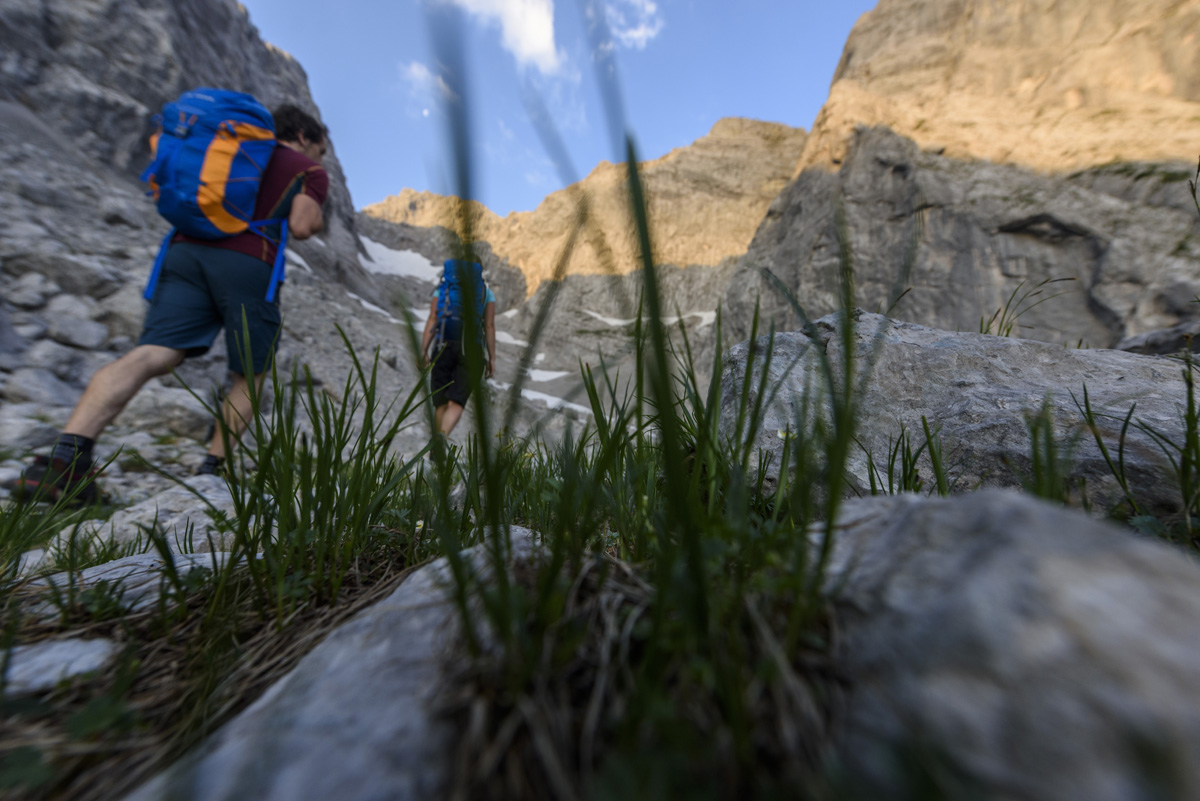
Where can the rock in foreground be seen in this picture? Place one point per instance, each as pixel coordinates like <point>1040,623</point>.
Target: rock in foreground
<point>1045,655</point>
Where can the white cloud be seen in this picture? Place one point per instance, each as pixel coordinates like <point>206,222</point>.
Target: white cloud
<point>526,29</point>
<point>424,84</point>
<point>634,23</point>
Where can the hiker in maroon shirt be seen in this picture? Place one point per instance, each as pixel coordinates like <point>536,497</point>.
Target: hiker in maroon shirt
<point>204,285</point>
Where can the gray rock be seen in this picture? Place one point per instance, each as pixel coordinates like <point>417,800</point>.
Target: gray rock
<point>116,210</point>
<point>1047,656</point>
<point>123,311</point>
<point>40,194</point>
<point>11,343</point>
<point>979,391</point>
<point>164,409</point>
<point>58,359</point>
<point>40,667</point>
<point>355,720</point>
<point>77,333</point>
<point>67,305</point>
<point>32,328</point>
<point>183,514</point>
<point>29,426</point>
<point>39,386</point>
<point>134,582</point>
<point>1181,337</point>
<point>30,291</point>
<point>79,276</point>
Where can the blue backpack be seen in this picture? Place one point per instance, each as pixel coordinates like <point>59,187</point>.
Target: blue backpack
<point>458,278</point>
<point>210,152</point>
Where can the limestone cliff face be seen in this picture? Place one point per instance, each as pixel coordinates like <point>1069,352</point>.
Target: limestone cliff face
<point>706,201</point>
<point>1055,85</point>
<point>971,235</point>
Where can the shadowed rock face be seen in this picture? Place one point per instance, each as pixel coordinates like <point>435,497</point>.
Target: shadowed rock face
<point>706,200</point>
<point>973,234</point>
<point>1055,85</point>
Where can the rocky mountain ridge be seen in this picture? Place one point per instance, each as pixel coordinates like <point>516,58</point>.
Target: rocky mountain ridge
<point>706,200</point>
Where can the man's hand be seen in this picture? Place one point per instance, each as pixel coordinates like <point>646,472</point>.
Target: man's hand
<point>491,370</point>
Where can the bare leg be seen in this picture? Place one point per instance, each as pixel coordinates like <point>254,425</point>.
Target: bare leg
<point>447,416</point>
<point>236,411</point>
<point>115,384</point>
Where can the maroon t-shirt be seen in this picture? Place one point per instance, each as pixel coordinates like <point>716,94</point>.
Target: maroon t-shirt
<point>288,174</point>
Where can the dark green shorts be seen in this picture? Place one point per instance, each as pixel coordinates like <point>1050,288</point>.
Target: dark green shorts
<point>204,289</point>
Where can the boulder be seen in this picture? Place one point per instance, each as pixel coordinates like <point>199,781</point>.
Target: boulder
<point>356,719</point>
<point>134,582</point>
<point>39,667</point>
<point>167,410</point>
<point>31,290</point>
<point>184,514</point>
<point>1043,655</point>
<point>11,343</point>
<point>979,391</point>
<point>85,334</point>
<point>1184,336</point>
<point>58,359</point>
<point>75,274</point>
<point>123,311</point>
<point>40,386</point>
<point>29,426</point>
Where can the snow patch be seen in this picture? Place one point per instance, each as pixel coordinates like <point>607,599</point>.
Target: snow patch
<point>296,260</point>
<point>707,318</point>
<point>533,395</point>
<point>541,376</point>
<point>509,339</point>
<point>372,307</point>
<point>403,263</point>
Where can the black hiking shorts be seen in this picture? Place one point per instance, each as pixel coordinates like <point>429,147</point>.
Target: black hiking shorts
<point>449,378</point>
<point>203,289</point>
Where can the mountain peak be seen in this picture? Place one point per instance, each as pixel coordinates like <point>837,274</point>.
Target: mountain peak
<point>706,201</point>
<point>1083,83</point>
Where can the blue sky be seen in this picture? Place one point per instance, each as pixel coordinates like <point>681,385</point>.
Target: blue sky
<point>681,65</point>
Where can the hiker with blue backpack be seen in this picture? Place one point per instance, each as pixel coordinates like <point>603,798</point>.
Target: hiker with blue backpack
<point>235,181</point>
<point>462,305</point>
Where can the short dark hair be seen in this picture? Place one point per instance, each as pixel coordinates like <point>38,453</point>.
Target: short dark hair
<point>290,122</point>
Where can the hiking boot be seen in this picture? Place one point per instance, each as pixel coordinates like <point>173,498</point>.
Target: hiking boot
<point>49,479</point>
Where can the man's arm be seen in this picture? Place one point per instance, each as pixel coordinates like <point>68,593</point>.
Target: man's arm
<point>489,328</point>
<point>427,337</point>
<point>305,218</point>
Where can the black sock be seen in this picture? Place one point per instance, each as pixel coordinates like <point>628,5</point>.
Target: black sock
<point>211,465</point>
<point>74,449</point>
